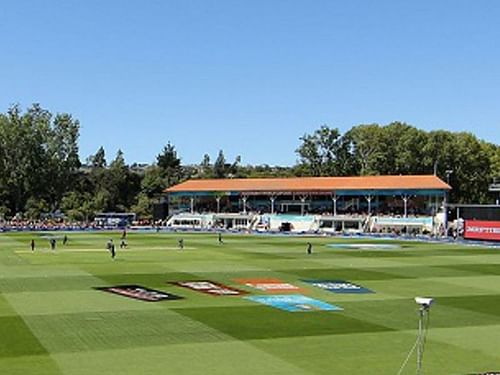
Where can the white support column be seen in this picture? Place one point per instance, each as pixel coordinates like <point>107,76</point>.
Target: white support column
<point>272,198</point>
<point>334,199</point>
<point>244,200</point>
<point>302,201</point>
<point>445,215</point>
<point>217,199</point>
<point>192,205</point>
<point>406,198</point>
<point>369,200</point>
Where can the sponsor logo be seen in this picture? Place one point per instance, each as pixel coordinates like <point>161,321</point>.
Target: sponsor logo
<point>364,246</point>
<point>339,286</point>
<point>140,293</point>
<point>269,285</point>
<point>294,303</point>
<point>486,373</point>
<point>210,287</point>
<point>482,230</point>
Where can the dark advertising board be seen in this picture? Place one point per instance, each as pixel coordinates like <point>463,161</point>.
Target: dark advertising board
<point>339,286</point>
<point>210,287</point>
<point>139,292</point>
<point>482,230</point>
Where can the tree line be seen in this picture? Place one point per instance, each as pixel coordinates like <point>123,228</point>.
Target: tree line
<point>41,171</point>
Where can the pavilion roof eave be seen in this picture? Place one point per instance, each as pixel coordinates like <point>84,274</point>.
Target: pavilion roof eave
<point>342,192</point>
<point>310,184</point>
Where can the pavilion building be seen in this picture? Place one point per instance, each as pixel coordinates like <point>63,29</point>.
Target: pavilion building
<point>361,196</point>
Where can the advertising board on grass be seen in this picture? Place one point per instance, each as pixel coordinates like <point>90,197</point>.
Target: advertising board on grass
<point>140,293</point>
<point>210,287</point>
<point>294,303</point>
<point>269,285</point>
<point>339,286</point>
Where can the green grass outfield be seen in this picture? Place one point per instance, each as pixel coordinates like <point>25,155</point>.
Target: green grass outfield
<point>52,321</point>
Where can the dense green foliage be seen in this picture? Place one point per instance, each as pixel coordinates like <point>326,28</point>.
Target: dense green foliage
<point>40,169</point>
<point>468,163</point>
<point>53,321</point>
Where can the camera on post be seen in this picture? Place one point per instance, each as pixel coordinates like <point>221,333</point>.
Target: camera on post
<point>424,302</point>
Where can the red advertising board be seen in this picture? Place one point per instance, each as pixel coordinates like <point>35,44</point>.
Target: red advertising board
<point>482,230</point>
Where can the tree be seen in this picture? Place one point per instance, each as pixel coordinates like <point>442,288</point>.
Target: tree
<point>471,168</point>
<point>205,168</point>
<point>78,206</point>
<point>324,153</point>
<point>98,180</point>
<point>169,164</point>
<point>404,152</point>
<point>205,163</point>
<point>99,159</point>
<point>153,183</point>
<point>368,146</point>
<point>143,208</point>
<point>220,166</point>
<point>233,169</point>
<point>35,208</point>
<point>62,149</point>
<point>438,152</point>
<point>39,156</point>
<point>493,152</point>
<point>118,183</point>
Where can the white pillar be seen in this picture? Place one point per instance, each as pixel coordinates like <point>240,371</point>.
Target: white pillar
<point>218,204</point>
<point>302,201</point>
<point>334,199</point>
<point>192,205</point>
<point>405,201</point>
<point>244,200</point>
<point>369,199</point>
<point>445,212</point>
<point>272,199</point>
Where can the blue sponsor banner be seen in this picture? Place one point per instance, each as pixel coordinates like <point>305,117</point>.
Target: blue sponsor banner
<point>294,303</point>
<point>403,220</point>
<point>339,286</point>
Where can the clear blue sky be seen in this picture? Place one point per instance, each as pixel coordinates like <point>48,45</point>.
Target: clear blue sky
<point>250,77</point>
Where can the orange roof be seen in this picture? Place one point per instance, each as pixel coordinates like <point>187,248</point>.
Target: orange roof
<point>304,184</point>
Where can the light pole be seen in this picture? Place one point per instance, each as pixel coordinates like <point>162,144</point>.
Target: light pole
<point>425,305</point>
<point>448,173</point>
<point>423,325</point>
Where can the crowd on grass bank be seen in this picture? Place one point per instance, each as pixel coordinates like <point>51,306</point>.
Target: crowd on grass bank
<point>43,225</point>
<point>61,224</point>
<point>65,225</point>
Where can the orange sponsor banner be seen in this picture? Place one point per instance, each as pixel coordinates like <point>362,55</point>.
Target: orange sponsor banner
<point>269,285</point>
